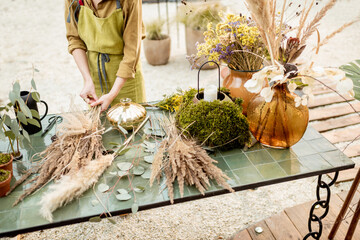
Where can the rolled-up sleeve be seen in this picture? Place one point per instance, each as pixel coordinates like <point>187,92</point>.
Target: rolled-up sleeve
<point>72,35</point>
<point>133,33</point>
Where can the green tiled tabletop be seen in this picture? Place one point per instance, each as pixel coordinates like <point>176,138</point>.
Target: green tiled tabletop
<point>258,166</point>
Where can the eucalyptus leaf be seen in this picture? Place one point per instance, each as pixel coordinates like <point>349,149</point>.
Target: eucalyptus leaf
<point>33,84</point>
<point>15,128</point>
<point>149,159</point>
<point>103,187</point>
<point>138,170</point>
<point>123,197</point>
<point>114,143</point>
<point>113,173</point>
<point>94,202</point>
<point>22,118</point>
<point>122,191</point>
<point>95,219</point>
<point>16,88</point>
<point>35,96</point>
<point>108,130</point>
<point>134,208</point>
<point>123,151</point>
<point>12,97</point>
<point>7,120</point>
<point>146,174</point>
<point>2,135</point>
<point>2,108</point>
<point>35,113</point>
<point>33,122</point>
<point>24,108</point>
<point>125,166</point>
<point>26,135</point>
<point>139,189</point>
<point>123,130</point>
<point>10,135</point>
<point>122,173</point>
<point>352,71</point>
<point>111,220</point>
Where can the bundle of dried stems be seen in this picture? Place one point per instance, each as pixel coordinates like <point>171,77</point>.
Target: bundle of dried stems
<point>273,32</point>
<point>184,160</point>
<point>78,142</point>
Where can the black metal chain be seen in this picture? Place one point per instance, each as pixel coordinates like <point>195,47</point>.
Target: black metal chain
<point>313,218</point>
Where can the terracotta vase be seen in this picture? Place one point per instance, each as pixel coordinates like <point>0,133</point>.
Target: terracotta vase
<point>5,186</point>
<point>277,124</point>
<point>235,80</point>
<point>8,166</point>
<point>157,52</point>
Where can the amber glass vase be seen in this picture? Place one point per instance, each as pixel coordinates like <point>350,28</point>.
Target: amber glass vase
<point>277,124</point>
<point>235,81</point>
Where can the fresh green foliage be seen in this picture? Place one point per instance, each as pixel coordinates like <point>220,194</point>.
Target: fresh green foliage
<point>352,71</point>
<point>216,123</point>
<point>154,30</point>
<point>198,15</point>
<point>4,175</point>
<point>12,128</point>
<point>4,158</point>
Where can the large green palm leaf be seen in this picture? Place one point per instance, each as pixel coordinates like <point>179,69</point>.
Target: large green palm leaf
<point>352,71</point>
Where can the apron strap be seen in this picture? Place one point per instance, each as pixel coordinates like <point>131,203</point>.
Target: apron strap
<point>104,59</point>
<point>77,9</point>
<point>118,4</point>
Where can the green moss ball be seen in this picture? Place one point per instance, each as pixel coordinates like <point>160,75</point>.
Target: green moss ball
<point>4,158</point>
<point>4,175</point>
<point>216,123</point>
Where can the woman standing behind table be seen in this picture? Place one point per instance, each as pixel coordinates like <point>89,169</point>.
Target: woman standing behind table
<point>104,38</point>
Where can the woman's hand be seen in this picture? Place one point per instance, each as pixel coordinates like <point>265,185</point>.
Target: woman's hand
<point>106,99</point>
<point>88,92</point>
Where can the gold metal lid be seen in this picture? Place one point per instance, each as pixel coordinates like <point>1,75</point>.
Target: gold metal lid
<point>127,114</point>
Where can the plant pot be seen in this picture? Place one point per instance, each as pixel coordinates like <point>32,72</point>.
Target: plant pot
<point>18,156</point>
<point>193,36</point>
<point>8,166</point>
<point>157,52</point>
<point>234,81</point>
<point>277,124</point>
<point>5,186</point>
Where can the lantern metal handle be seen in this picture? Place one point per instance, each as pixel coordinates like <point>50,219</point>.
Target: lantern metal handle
<point>198,83</point>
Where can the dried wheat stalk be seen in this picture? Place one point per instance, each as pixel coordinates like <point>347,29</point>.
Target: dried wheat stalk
<point>79,141</point>
<point>184,160</point>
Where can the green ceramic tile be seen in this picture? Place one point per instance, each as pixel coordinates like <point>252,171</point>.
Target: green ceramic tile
<point>231,152</point>
<point>151,194</point>
<point>336,158</point>
<point>311,134</point>
<point>237,161</point>
<point>322,145</point>
<point>281,154</point>
<point>88,208</point>
<point>314,162</point>
<point>70,211</point>
<point>259,157</point>
<point>116,205</point>
<point>247,175</point>
<point>293,167</point>
<point>6,203</point>
<point>302,148</point>
<point>30,217</point>
<point>271,171</point>
<point>233,181</point>
<point>9,220</point>
<point>257,146</point>
<point>221,164</point>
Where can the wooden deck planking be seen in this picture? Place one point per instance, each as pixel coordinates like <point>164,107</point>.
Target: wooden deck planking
<point>292,222</point>
<point>325,100</point>
<point>342,135</point>
<point>333,111</point>
<point>334,123</point>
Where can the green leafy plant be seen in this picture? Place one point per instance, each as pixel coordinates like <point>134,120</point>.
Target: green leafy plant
<point>154,30</point>
<point>4,175</point>
<point>352,71</point>
<point>11,127</point>
<point>198,15</point>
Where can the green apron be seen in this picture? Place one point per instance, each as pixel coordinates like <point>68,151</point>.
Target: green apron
<point>104,41</point>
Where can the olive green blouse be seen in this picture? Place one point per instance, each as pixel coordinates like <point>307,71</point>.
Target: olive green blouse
<point>134,30</point>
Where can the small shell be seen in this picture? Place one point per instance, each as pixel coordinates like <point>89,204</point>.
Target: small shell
<point>259,230</point>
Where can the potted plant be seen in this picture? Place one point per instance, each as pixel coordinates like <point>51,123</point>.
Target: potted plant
<point>196,17</point>
<point>156,44</point>
<point>5,179</point>
<point>6,160</point>
<point>16,114</point>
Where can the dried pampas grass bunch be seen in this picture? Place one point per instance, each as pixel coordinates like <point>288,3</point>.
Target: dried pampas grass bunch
<point>77,149</point>
<point>184,160</point>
